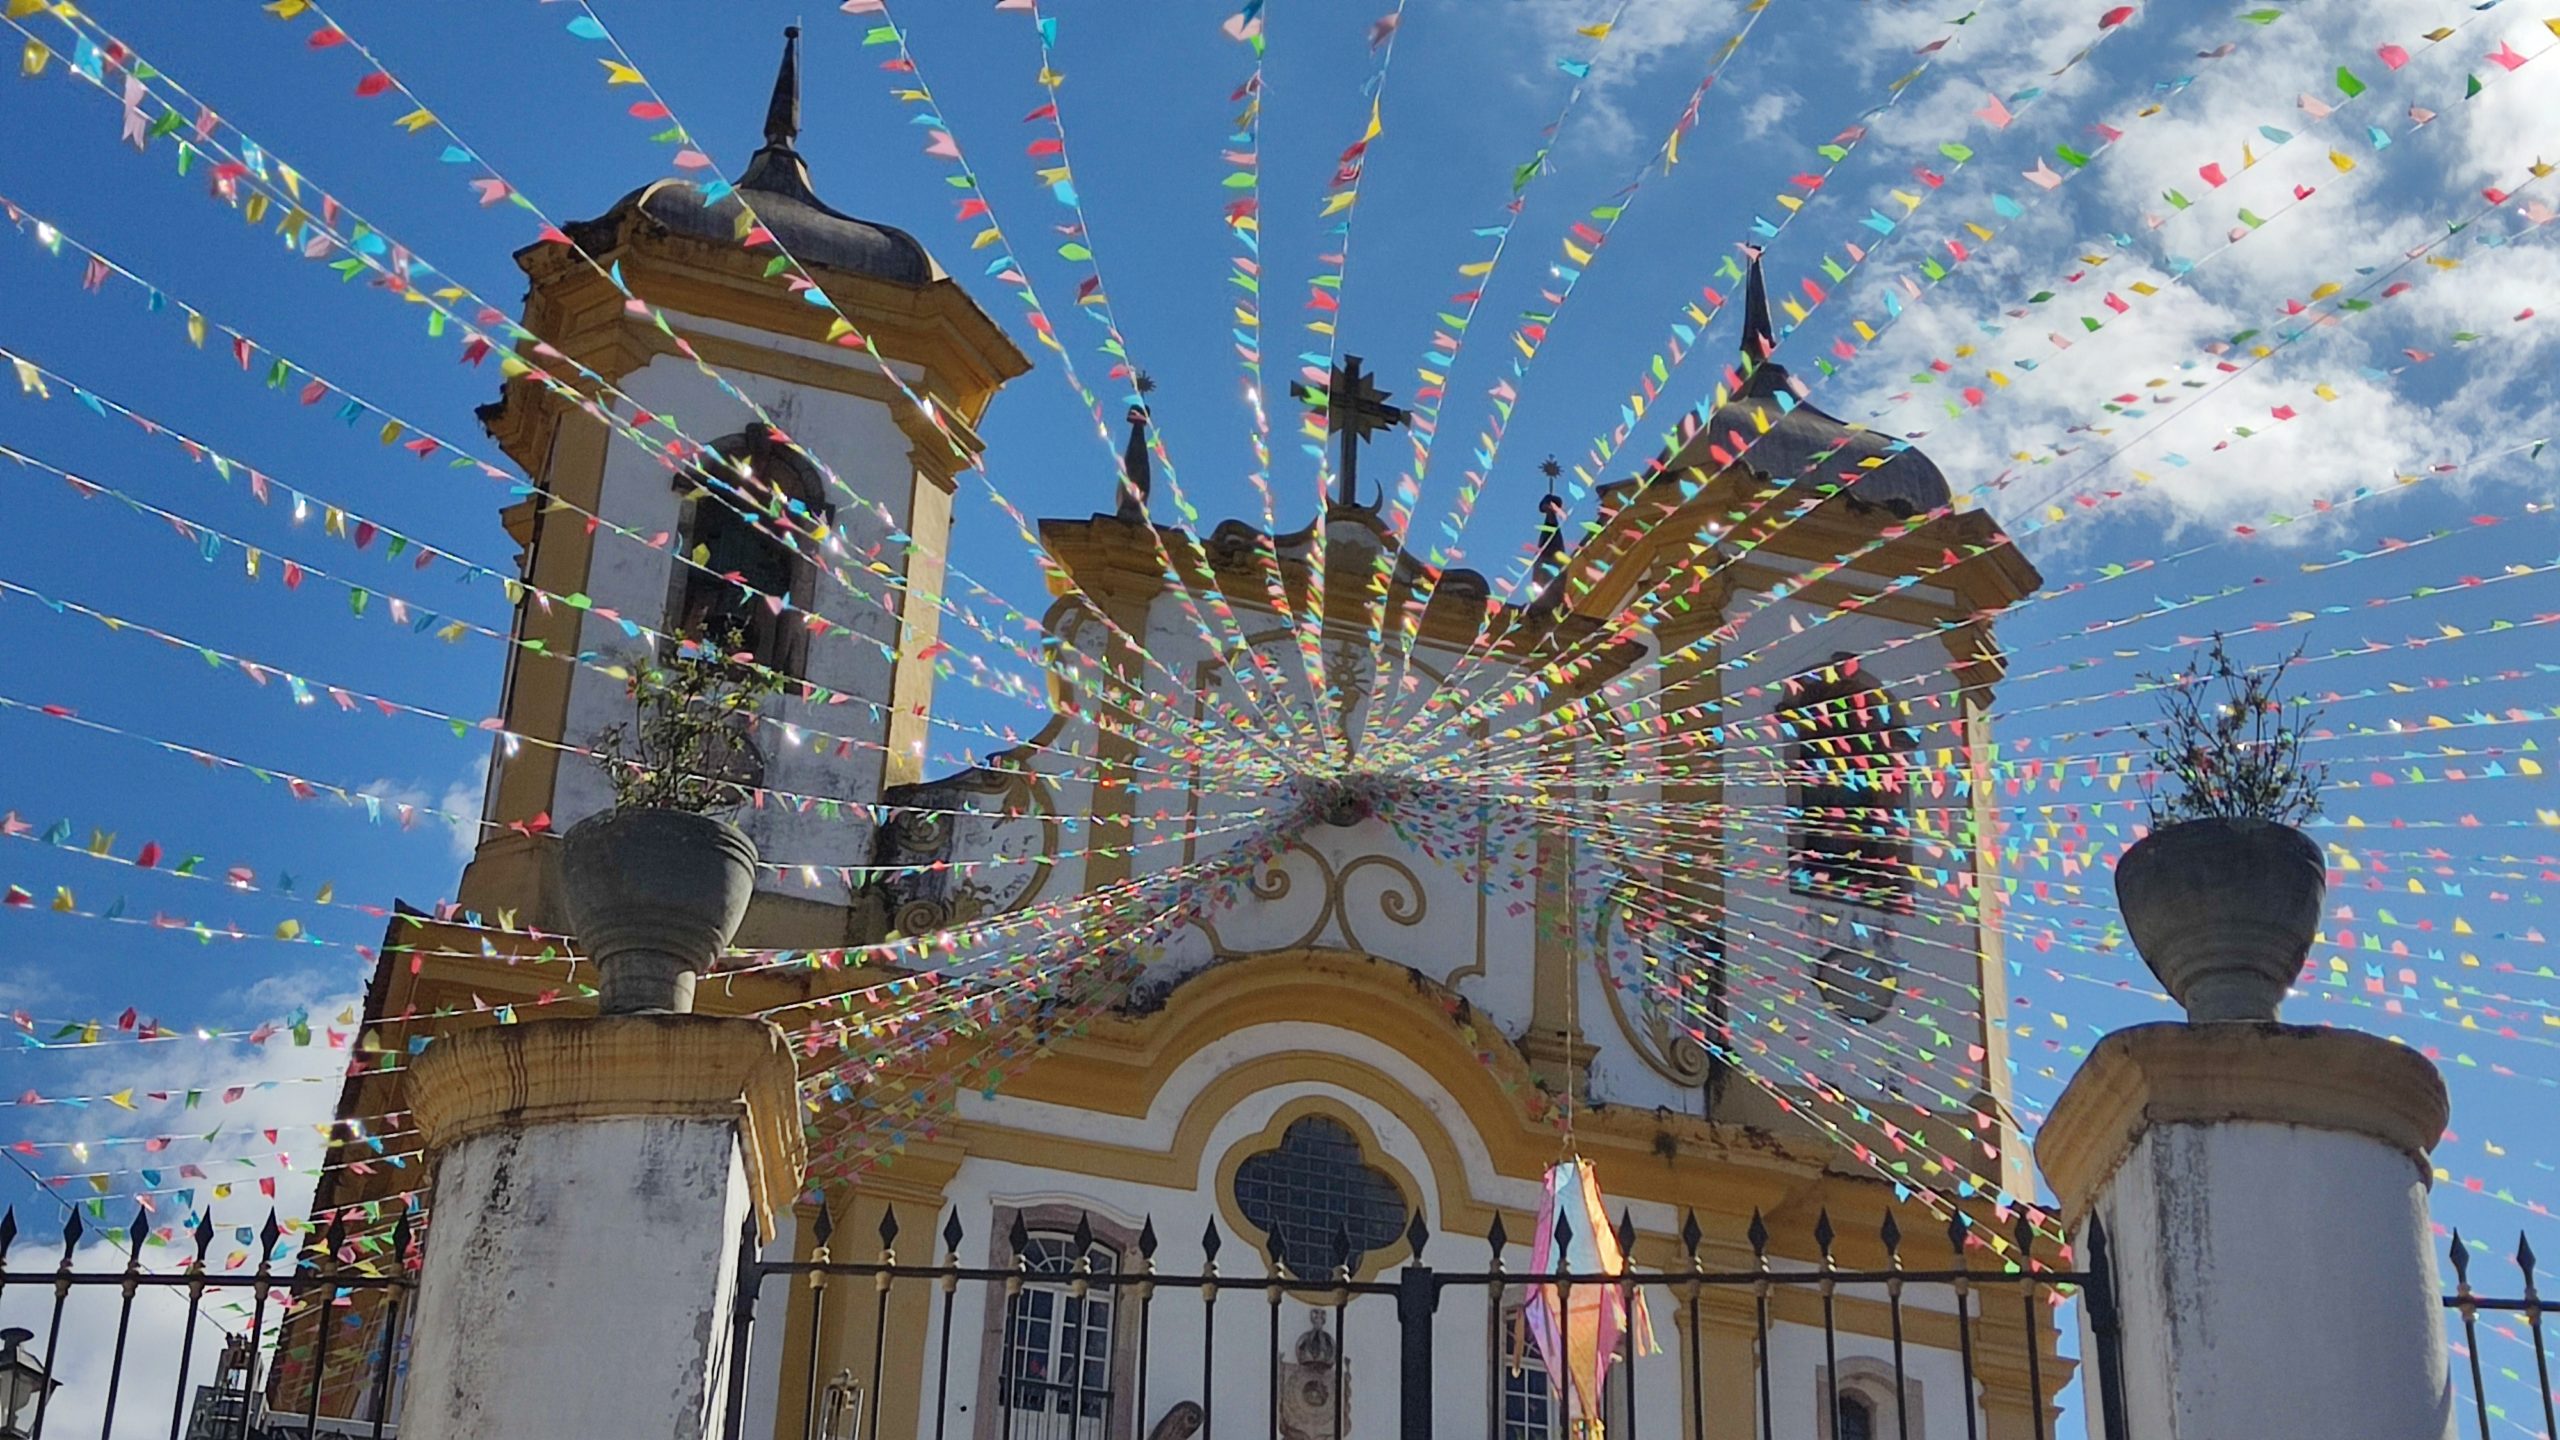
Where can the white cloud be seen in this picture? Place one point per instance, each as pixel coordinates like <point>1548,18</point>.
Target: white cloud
<point>285,1089</point>
<point>460,797</point>
<point>2462,400</point>
<point>1766,111</point>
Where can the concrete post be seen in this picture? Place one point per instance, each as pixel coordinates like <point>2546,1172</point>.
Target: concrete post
<point>2263,1189</point>
<point>592,1179</point>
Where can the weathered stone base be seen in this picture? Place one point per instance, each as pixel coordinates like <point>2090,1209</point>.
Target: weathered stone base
<point>2264,1189</point>
<point>593,1180</point>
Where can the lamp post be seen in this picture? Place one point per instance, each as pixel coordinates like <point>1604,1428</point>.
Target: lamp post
<point>23,1381</point>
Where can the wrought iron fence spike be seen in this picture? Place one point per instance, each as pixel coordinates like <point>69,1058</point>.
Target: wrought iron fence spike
<point>1416,1235</point>
<point>399,1238</point>
<point>2525,1259</point>
<point>1891,1233</point>
<point>951,1231</point>
<point>1019,1237</point>
<point>1209,1241</point>
<point>72,1229</point>
<point>8,1230</point>
<point>1957,1226</point>
<point>272,1231</point>
<point>1147,1239</point>
<point>1627,1233</point>
<point>204,1233</point>
<point>1496,1237</point>
<point>1823,1234</point>
<point>1084,1236</point>
<point>2461,1259</point>
<point>1758,1234</point>
<point>133,1240</point>
<point>1690,1234</point>
<point>823,1228</point>
<point>1564,1236</point>
<point>888,1226</point>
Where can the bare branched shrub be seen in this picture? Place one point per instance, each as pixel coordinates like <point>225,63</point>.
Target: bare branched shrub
<point>2228,743</point>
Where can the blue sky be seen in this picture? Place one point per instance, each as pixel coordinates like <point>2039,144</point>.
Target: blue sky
<point>1147,104</point>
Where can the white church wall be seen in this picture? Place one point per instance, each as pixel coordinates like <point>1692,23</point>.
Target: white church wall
<point>984,1187</point>
<point>988,1186</point>
<point>1799,1390</point>
<point>861,441</point>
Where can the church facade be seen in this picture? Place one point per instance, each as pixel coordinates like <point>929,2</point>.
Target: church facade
<point>1470,945</point>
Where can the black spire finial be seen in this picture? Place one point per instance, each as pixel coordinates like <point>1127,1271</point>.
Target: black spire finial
<point>782,114</point>
<point>1759,337</point>
<point>1550,520</point>
<point>1138,477</point>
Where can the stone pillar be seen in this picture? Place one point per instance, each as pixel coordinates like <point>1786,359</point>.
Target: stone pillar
<point>2263,1192</point>
<point>593,1179</point>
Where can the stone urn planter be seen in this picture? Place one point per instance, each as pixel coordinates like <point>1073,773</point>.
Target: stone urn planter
<point>654,895</point>
<point>2223,911</point>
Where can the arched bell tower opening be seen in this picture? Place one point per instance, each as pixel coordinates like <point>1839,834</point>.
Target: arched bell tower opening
<point>750,513</point>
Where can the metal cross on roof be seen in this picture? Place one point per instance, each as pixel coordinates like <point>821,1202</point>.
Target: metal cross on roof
<point>1354,409</point>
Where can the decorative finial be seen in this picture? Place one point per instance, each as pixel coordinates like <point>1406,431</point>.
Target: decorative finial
<point>1550,520</point>
<point>1758,336</point>
<point>1137,470</point>
<point>782,115</point>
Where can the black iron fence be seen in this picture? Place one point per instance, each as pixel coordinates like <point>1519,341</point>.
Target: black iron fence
<point>2467,1307</point>
<point>244,1396</point>
<point>1045,1387</point>
<point>291,1372</point>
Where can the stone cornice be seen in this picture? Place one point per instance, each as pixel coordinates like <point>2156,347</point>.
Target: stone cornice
<point>2236,1072</point>
<point>620,1067</point>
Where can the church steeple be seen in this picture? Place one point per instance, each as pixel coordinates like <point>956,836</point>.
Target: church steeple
<point>777,168</point>
<point>782,113</point>
<point>1758,336</point>
<point>1138,478</point>
<point>1762,376</point>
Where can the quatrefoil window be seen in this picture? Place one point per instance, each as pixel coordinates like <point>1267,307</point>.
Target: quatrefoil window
<point>1312,1189</point>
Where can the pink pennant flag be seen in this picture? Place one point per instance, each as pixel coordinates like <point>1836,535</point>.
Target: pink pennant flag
<point>2213,175</point>
<point>2505,57</point>
<point>1997,113</point>
<point>2393,57</point>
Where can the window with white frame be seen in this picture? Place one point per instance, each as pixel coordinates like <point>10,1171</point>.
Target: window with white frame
<point>1057,1349</point>
<point>1528,1400</point>
<point>1532,1407</point>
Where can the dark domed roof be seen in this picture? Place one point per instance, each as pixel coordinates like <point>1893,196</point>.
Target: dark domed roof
<point>811,231</point>
<point>1904,481</point>
<point>776,185</point>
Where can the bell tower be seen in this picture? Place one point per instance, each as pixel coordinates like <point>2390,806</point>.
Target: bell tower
<point>809,518</point>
